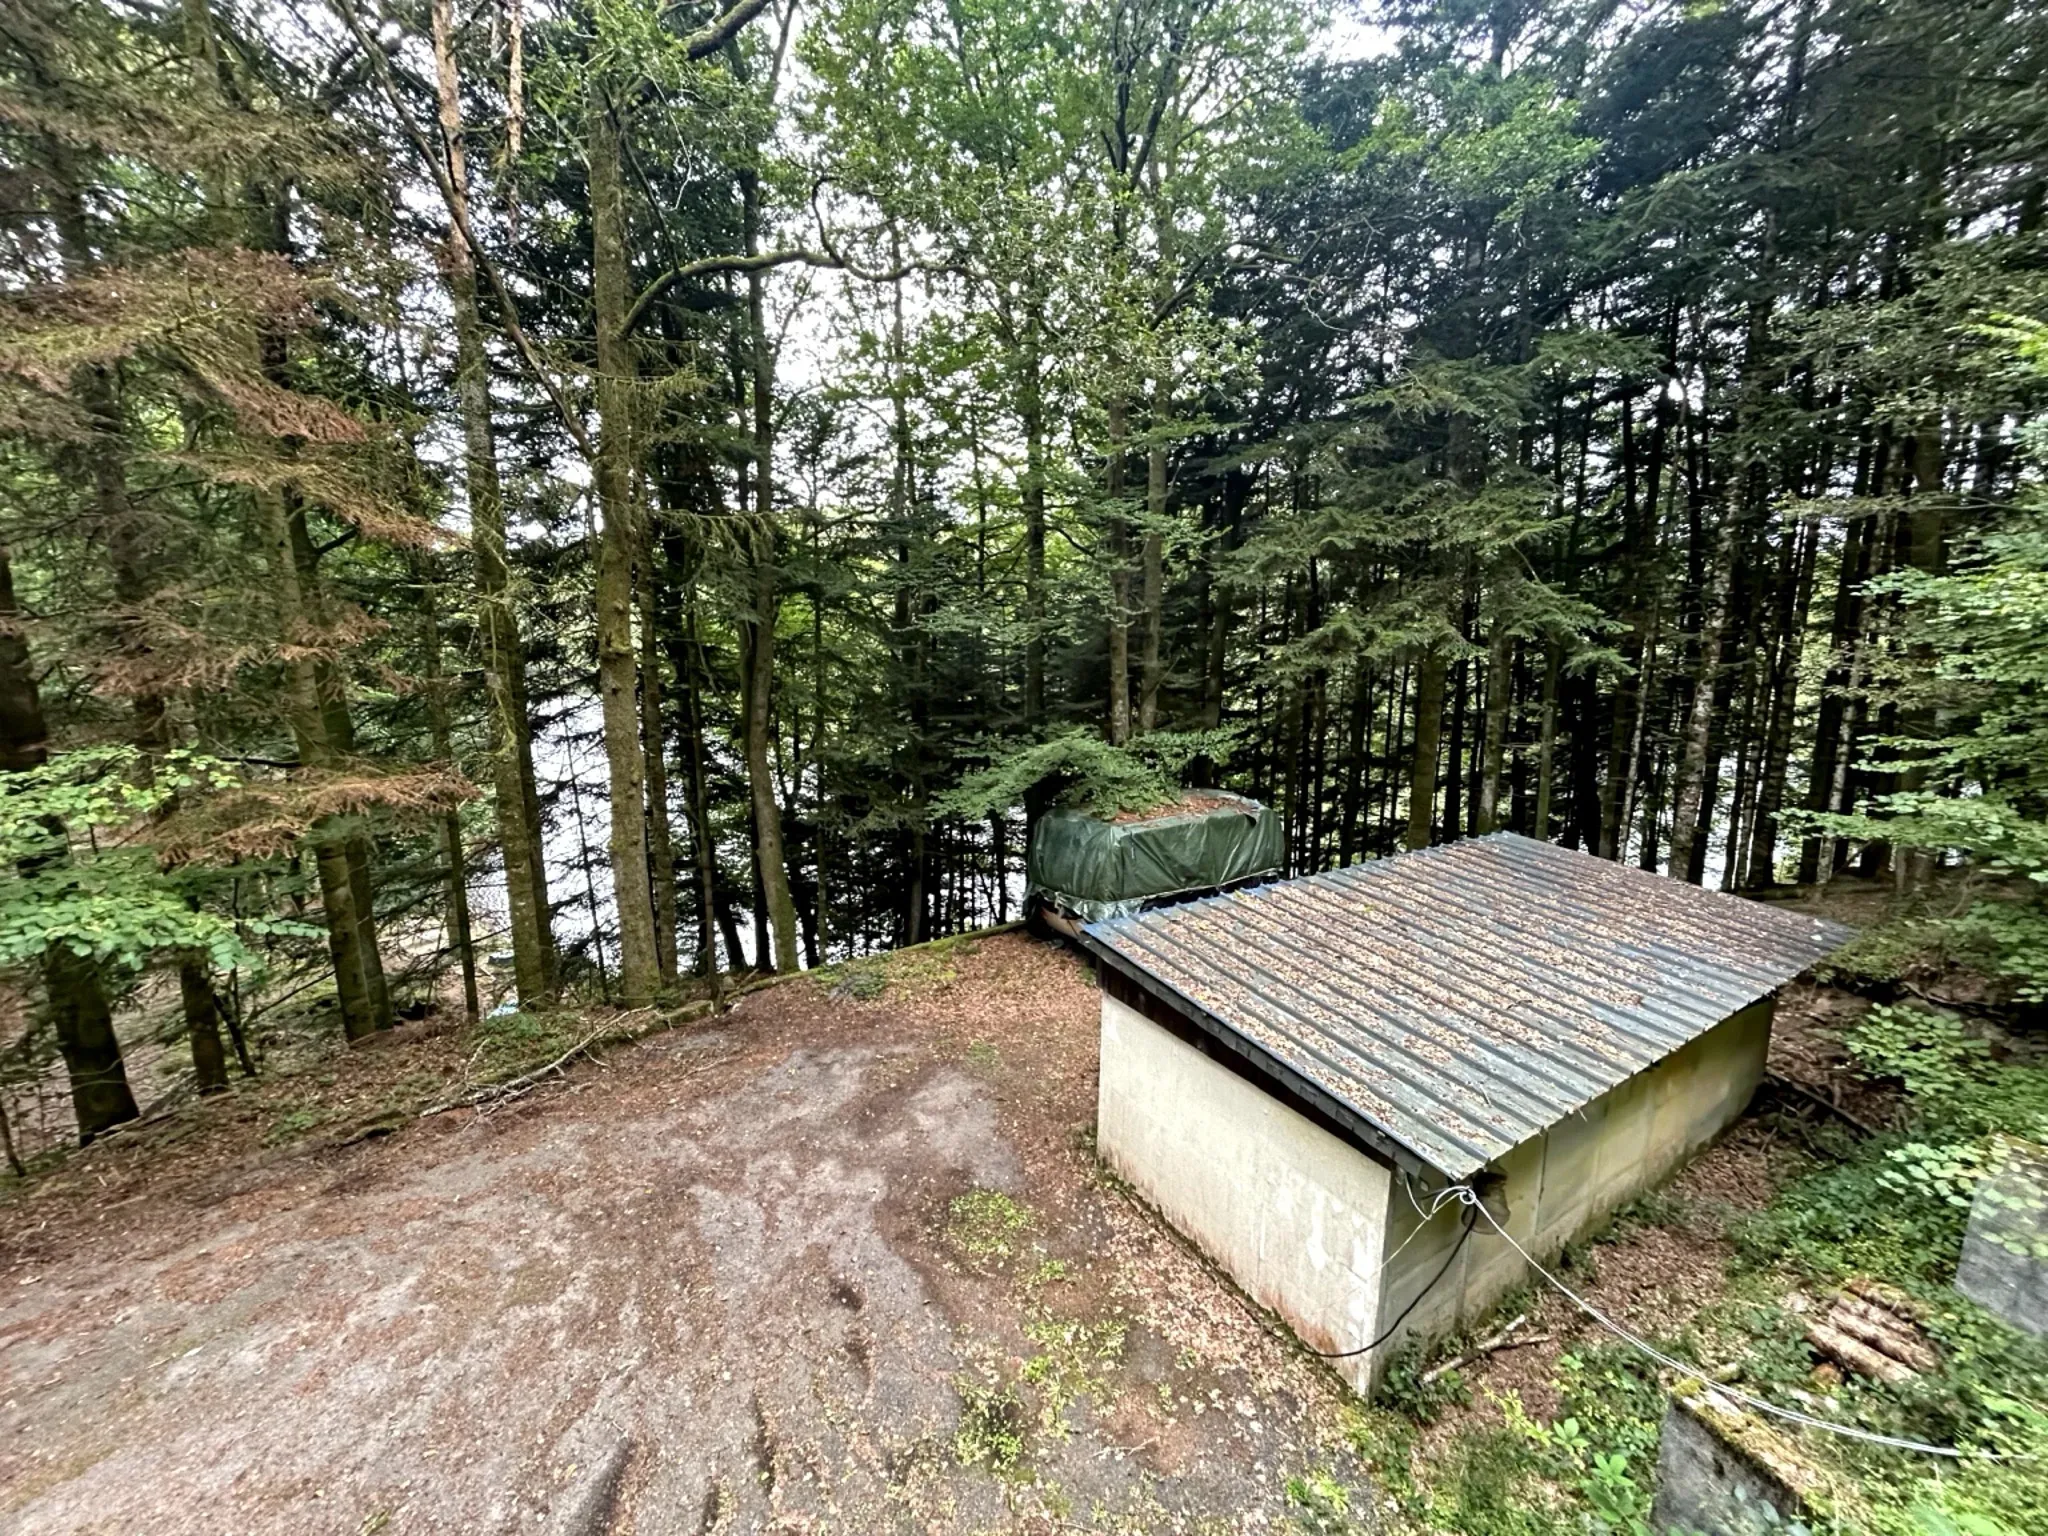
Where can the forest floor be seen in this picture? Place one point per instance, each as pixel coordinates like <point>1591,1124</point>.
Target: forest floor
<point>842,1258</point>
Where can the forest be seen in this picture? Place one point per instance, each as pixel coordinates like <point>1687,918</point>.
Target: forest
<point>537,526</point>
<point>585,500</point>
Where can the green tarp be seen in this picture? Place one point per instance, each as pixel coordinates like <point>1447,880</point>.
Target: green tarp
<point>1098,869</point>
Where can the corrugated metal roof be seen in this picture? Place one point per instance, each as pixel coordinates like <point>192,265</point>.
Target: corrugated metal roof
<point>1460,1000</point>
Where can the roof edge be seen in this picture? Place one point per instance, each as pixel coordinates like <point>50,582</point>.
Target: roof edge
<point>1370,1132</point>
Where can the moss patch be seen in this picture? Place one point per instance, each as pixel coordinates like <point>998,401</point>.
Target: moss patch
<point>984,1224</point>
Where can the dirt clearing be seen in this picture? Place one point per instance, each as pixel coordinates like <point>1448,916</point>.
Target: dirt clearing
<point>842,1261</point>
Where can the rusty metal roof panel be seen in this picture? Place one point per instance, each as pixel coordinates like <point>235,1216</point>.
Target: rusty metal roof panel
<point>1460,1000</point>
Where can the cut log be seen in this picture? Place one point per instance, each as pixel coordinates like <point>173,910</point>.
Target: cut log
<point>1884,1330</point>
<point>1853,1354</point>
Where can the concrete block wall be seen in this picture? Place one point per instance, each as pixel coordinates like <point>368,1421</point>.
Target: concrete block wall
<point>1555,1188</point>
<point>1294,1213</point>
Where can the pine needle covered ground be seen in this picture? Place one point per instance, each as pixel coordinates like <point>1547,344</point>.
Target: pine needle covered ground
<point>843,1258</point>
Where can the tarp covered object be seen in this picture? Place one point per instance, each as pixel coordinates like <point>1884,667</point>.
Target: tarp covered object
<point>1099,869</point>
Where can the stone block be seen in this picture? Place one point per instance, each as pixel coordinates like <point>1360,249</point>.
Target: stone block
<point>1722,1471</point>
<point>2004,1267</point>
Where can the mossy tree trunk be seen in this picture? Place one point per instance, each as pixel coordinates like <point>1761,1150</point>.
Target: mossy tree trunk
<point>618,543</point>
<point>516,801</point>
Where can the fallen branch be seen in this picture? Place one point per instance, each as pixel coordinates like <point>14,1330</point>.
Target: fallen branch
<point>512,1088</point>
<point>1777,1080</point>
<point>1492,1344</point>
<point>619,1033</point>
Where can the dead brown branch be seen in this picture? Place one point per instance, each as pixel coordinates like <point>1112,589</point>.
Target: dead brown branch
<point>1790,1085</point>
<point>1493,1343</point>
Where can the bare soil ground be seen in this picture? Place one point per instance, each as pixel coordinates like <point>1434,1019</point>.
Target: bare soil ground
<point>724,1281</point>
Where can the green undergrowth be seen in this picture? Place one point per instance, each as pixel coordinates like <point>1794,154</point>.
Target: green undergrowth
<point>1895,1207</point>
<point>507,1044</point>
<point>985,1224</point>
<point>1016,1406</point>
<point>909,972</point>
<point>1587,1471</point>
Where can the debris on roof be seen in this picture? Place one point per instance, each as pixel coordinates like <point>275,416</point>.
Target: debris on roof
<point>1462,999</point>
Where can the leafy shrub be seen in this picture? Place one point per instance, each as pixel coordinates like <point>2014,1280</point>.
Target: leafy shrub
<point>1939,1063</point>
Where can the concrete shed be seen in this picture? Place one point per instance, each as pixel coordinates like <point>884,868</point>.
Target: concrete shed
<point>1292,1073</point>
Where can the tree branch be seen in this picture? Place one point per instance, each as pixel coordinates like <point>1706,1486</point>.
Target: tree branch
<point>715,34</point>
<point>439,164</point>
<point>831,259</point>
<point>713,266</point>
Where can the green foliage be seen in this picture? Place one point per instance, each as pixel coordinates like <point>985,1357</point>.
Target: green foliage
<point>991,1429</point>
<point>1072,1355</point>
<point>507,1044</point>
<point>1976,658</point>
<point>1898,1206</point>
<point>1318,1504</point>
<point>1403,1390</point>
<point>78,868</point>
<point>1080,770</point>
<point>1939,1063</point>
<point>1895,1207</point>
<point>1585,1474</point>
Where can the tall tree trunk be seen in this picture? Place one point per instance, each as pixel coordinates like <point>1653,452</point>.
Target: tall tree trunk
<point>78,1004</point>
<point>1926,527</point>
<point>1422,767</point>
<point>769,860</point>
<point>1031,412</point>
<point>202,1026</point>
<point>1454,768</point>
<point>515,798</point>
<point>1151,669</point>
<point>1119,577</point>
<point>1499,689</point>
<point>460,937</point>
<point>1546,750</point>
<point>351,934</point>
<point>685,661</point>
<point>1357,748</point>
<point>1688,793</point>
<point>1777,753</point>
<point>1640,747</point>
<point>618,543</point>
<point>653,744</point>
<point>100,1098</point>
<point>1844,649</point>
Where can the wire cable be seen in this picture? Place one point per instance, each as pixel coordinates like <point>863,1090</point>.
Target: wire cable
<point>1449,1259</point>
<point>1466,1195</point>
<point>1263,1317</point>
